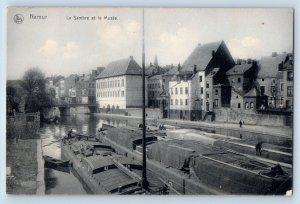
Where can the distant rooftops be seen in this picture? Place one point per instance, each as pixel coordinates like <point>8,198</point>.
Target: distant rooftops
<point>269,65</point>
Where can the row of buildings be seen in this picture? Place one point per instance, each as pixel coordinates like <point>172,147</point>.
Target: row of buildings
<point>209,79</point>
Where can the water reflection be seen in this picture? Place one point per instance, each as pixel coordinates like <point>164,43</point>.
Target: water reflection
<point>60,182</point>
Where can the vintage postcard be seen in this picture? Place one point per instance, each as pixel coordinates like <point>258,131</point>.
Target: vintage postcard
<point>149,101</point>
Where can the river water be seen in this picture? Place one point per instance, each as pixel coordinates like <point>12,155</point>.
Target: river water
<point>58,182</point>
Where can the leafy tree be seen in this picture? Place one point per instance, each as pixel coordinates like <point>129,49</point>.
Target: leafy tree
<point>34,84</point>
<point>13,100</point>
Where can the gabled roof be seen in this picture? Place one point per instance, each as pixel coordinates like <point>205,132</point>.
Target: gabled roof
<point>157,76</point>
<point>201,56</point>
<point>239,92</point>
<point>172,70</point>
<point>126,66</point>
<point>269,65</point>
<point>252,93</point>
<point>239,69</point>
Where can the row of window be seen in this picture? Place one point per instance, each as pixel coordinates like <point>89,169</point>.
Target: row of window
<point>110,84</point>
<point>273,90</point>
<point>154,86</point>
<point>153,94</point>
<point>105,94</point>
<point>181,102</point>
<point>186,90</point>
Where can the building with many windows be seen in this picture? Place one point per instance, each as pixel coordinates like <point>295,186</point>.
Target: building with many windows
<point>192,91</point>
<point>119,86</point>
<point>154,88</point>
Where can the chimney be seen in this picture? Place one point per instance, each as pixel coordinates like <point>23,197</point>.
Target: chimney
<point>238,61</point>
<point>195,69</point>
<point>249,61</point>
<point>213,53</point>
<point>151,64</point>
<point>131,57</point>
<point>199,44</point>
<point>274,54</point>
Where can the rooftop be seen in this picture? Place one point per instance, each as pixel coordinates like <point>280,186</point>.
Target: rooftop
<point>126,66</point>
<point>239,69</point>
<point>269,65</point>
<point>201,56</point>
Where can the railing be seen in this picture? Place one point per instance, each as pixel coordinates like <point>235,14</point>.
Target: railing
<point>71,103</point>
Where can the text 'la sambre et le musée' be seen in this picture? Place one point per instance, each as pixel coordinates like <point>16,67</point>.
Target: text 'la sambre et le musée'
<point>91,18</point>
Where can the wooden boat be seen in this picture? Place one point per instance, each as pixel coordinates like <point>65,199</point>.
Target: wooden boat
<point>51,162</point>
<point>102,171</point>
<point>194,167</point>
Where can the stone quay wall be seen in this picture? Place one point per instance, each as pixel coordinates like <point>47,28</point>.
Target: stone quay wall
<point>23,126</point>
<point>250,117</point>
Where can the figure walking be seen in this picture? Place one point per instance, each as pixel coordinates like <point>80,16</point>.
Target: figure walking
<point>70,134</point>
<point>241,123</point>
<point>258,148</point>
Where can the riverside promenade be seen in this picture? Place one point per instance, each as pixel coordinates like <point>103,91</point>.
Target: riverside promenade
<point>286,132</point>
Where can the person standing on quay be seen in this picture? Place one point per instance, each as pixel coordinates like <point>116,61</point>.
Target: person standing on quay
<point>241,123</point>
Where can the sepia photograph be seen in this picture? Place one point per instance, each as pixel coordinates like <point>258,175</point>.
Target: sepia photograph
<point>149,101</point>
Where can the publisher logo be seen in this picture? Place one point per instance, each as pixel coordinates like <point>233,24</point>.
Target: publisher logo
<point>18,18</point>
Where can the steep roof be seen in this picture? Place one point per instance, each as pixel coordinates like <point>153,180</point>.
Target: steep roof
<point>269,65</point>
<point>238,91</point>
<point>126,66</point>
<point>239,69</point>
<point>251,93</point>
<point>201,56</point>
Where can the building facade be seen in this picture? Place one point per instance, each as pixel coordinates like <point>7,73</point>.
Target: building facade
<point>119,86</point>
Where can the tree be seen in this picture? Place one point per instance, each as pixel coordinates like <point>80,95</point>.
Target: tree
<point>34,84</point>
<point>13,100</point>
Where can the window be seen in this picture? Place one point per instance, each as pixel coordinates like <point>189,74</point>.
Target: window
<point>176,101</point>
<point>200,78</point>
<point>262,90</point>
<point>239,105</point>
<point>172,91</point>
<point>181,102</point>
<point>207,84</point>
<point>290,76</point>
<point>186,90</point>
<point>232,81</point>
<point>181,92</point>
<point>216,102</point>
<point>171,101</point>
<point>239,80</point>
<point>176,91</point>
<point>281,87</point>
<point>289,91</point>
<point>122,82</point>
<point>262,79</point>
<point>272,89</point>
<point>201,90</point>
<point>246,105</point>
<point>216,92</point>
<point>251,105</point>
<point>122,93</point>
<point>207,95</point>
<point>186,102</point>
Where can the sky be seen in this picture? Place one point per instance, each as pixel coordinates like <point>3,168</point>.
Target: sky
<point>62,46</point>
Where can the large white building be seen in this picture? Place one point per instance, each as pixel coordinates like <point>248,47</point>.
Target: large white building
<point>119,86</point>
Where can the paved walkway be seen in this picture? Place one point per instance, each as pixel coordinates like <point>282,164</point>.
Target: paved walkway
<point>276,131</point>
